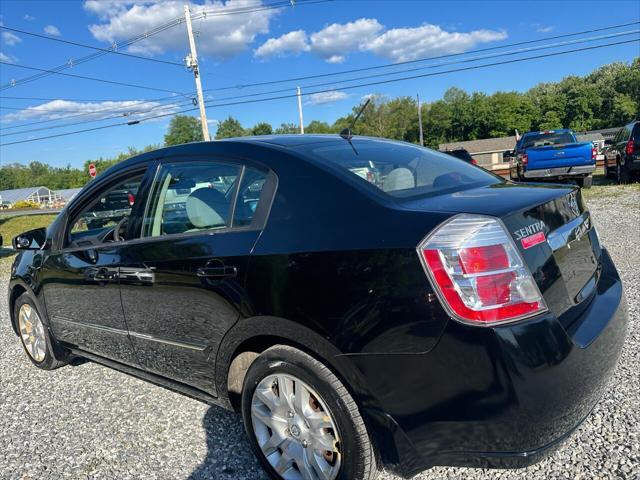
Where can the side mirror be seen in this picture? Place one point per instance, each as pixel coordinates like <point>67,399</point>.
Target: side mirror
<point>31,240</point>
<point>608,141</point>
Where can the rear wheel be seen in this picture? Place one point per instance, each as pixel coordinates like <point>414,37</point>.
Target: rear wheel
<point>301,421</point>
<point>622,174</point>
<point>585,182</point>
<point>34,334</point>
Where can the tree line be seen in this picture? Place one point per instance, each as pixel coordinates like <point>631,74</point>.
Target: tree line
<point>607,97</point>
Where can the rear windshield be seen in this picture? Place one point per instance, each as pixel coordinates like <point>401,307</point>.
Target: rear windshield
<point>402,170</point>
<point>542,139</point>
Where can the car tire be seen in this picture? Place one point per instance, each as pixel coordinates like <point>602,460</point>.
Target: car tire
<point>585,182</point>
<point>623,176</point>
<point>289,371</point>
<point>34,335</point>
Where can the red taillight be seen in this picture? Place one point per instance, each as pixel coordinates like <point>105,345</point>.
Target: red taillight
<point>525,159</point>
<point>479,274</point>
<point>474,161</point>
<point>629,148</point>
<point>594,153</point>
<point>132,199</point>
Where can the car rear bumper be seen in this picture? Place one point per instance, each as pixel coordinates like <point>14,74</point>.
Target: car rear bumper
<point>560,171</point>
<point>501,397</point>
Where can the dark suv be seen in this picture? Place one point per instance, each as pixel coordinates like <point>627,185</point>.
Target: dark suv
<point>622,156</point>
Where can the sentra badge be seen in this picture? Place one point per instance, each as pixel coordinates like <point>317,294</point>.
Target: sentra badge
<point>531,234</point>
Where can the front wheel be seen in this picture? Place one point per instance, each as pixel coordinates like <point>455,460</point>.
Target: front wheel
<point>34,334</point>
<point>302,422</point>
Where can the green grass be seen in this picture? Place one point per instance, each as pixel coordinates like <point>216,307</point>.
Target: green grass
<point>12,226</point>
<point>606,187</point>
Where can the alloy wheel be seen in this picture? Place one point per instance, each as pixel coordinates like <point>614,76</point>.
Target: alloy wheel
<point>32,332</point>
<point>295,430</point>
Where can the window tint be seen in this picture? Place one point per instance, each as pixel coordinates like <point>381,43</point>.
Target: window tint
<point>401,170</point>
<point>248,197</point>
<point>542,139</point>
<point>189,197</point>
<point>636,132</point>
<point>109,209</point>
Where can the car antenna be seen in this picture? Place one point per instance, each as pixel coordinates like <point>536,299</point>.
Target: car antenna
<point>346,133</point>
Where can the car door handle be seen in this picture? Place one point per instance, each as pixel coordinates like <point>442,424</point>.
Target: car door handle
<point>217,272</point>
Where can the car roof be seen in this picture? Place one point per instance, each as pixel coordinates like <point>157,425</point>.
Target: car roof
<point>280,141</point>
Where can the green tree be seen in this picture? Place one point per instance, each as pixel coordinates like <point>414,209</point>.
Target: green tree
<point>229,128</point>
<point>286,128</point>
<point>624,108</point>
<point>550,121</point>
<point>262,128</point>
<point>317,126</point>
<point>183,129</point>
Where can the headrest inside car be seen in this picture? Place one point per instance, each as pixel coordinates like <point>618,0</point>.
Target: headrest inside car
<point>206,208</point>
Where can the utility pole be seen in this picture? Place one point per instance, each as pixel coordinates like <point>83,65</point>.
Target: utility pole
<point>300,111</point>
<point>420,120</point>
<point>192,64</point>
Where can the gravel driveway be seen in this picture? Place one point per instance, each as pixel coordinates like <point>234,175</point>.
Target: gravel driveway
<point>88,421</point>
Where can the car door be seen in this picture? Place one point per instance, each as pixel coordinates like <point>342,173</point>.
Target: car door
<point>182,284</point>
<point>80,276</point>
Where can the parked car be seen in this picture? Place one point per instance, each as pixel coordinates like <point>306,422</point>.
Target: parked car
<point>462,154</point>
<point>443,316</point>
<point>553,155</point>
<point>622,153</point>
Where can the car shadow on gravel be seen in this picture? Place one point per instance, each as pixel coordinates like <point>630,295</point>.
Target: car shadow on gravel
<point>229,455</point>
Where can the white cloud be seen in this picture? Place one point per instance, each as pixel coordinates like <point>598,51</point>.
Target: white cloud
<point>336,40</point>
<point>403,44</point>
<point>326,97</point>
<point>29,18</point>
<point>7,58</point>
<point>52,30</point>
<point>56,109</point>
<point>291,43</point>
<point>544,28</point>
<point>220,36</point>
<point>10,39</point>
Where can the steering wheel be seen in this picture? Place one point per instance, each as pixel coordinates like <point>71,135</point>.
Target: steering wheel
<point>117,237</point>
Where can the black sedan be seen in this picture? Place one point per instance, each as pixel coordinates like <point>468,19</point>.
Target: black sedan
<point>428,314</point>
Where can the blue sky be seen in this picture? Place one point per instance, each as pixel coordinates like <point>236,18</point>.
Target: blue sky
<point>260,46</point>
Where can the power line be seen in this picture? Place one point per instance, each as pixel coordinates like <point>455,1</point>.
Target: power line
<point>84,122</point>
<point>92,56</point>
<point>350,87</point>
<point>137,102</point>
<point>93,47</point>
<point>82,77</point>
<point>418,60</point>
<point>424,67</point>
<point>143,36</point>
<point>466,60</point>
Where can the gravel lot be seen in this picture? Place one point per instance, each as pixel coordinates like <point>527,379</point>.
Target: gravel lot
<point>88,421</point>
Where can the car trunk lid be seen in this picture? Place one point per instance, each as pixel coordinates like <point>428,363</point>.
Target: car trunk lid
<point>551,228</point>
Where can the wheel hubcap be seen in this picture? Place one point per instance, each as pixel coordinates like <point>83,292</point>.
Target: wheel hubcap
<point>295,429</point>
<point>32,332</point>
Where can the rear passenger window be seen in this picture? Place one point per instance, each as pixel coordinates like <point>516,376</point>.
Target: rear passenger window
<point>190,197</point>
<point>248,197</point>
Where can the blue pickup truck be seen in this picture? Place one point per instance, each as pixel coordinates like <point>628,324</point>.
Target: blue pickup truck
<point>553,155</point>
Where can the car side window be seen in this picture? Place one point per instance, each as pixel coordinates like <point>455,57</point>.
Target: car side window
<point>249,193</point>
<point>190,197</point>
<point>112,206</point>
